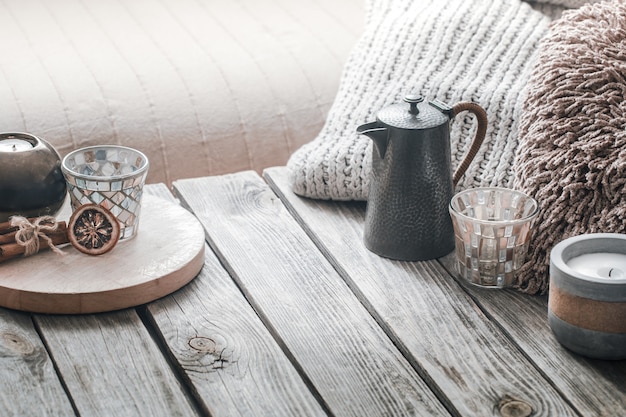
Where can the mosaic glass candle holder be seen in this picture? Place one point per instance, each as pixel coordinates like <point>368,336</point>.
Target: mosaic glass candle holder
<point>492,228</point>
<point>111,176</point>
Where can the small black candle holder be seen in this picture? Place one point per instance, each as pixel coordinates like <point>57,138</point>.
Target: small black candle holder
<point>31,181</point>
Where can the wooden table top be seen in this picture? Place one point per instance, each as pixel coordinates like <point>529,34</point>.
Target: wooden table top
<point>292,316</point>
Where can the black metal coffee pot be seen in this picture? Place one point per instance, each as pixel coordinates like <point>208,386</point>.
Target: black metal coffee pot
<point>411,184</point>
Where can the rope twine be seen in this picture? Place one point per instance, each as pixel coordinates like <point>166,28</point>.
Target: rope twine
<point>28,234</point>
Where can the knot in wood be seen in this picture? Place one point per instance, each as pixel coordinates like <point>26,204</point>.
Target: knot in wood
<point>515,408</point>
<point>202,344</point>
<point>17,344</point>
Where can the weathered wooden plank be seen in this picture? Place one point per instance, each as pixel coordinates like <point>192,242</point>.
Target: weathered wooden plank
<point>311,312</point>
<point>110,364</point>
<point>112,367</point>
<point>436,324</point>
<point>594,387</point>
<point>225,351</point>
<point>28,383</point>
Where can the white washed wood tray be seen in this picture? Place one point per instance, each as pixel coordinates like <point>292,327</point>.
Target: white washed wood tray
<point>166,254</point>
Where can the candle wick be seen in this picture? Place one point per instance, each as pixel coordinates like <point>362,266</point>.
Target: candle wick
<point>610,270</point>
<point>14,148</point>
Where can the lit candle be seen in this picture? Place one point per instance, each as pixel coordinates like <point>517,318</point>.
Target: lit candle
<point>14,145</point>
<point>600,265</point>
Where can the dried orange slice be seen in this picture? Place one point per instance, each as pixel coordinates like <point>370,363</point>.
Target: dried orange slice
<point>93,229</point>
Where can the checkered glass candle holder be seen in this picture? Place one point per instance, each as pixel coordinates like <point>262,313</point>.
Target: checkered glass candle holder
<point>492,228</point>
<point>110,176</point>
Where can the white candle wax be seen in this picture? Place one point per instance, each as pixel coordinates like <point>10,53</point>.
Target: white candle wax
<point>14,145</point>
<point>600,265</point>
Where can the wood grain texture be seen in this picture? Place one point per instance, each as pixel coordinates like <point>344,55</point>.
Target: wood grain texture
<point>229,358</point>
<point>110,364</point>
<point>227,355</point>
<point>469,360</point>
<point>595,387</point>
<point>28,383</point>
<point>112,367</point>
<point>311,312</point>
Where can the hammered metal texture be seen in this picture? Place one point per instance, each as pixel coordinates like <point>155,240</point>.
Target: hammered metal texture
<point>407,214</point>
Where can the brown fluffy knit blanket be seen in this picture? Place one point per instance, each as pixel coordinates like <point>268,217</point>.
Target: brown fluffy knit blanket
<point>572,152</point>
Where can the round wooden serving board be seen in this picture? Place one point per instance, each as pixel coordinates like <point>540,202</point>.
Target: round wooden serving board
<point>166,254</point>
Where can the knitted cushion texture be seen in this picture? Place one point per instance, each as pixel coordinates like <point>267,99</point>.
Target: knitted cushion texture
<point>572,152</point>
<point>459,50</point>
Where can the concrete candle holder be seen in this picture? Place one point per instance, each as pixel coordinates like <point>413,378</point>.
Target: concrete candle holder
<point>587,304</point>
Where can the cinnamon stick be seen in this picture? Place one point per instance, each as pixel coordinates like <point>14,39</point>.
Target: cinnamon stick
<point>14,250</point>
<point>5,227</point>
<point>8,237</point>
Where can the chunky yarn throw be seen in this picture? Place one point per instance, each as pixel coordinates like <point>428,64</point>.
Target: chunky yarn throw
<point>572,152</point>
<point>457,50</point>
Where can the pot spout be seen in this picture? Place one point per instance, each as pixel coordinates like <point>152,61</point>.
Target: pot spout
<point>378,134</point>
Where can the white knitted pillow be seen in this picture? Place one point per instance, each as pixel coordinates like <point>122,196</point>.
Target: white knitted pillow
<point>457,50</point>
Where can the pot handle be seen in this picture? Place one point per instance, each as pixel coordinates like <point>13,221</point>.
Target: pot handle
<point>477,140</point>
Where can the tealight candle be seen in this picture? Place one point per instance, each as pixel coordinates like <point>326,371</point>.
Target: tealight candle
<point>10,144</point>
<point>600,264</point>
<point>587,303</point>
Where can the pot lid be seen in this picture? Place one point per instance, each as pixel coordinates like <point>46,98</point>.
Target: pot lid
<point>415,113</point>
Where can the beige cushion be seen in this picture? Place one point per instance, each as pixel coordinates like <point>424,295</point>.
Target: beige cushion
<point>572,152</point>
<point>458,50</point>
<point>201,86</point>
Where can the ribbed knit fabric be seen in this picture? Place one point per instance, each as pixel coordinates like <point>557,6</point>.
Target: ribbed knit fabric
<point>459,50</point>
<point>572,152</point>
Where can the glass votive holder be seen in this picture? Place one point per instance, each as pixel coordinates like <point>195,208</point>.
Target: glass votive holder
<point>111,176</point>
<point>492,228</point>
